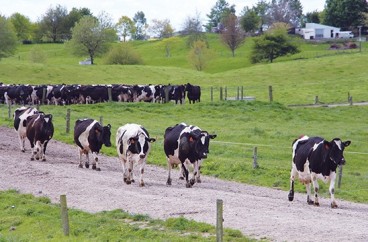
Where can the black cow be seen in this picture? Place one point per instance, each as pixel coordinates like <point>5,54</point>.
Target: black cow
<point>94,93</point>
<point>20,123</point>
<point>193,93</point>
<point>20,94</point>
<point>186,144</point>
<point>122,93</point>
<point>315,158</point>
<point>173,92</point>
<point>90,135</point>
<point>39,132</point>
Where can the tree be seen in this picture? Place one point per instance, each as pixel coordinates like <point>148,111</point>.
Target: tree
<point>123,54</point>
<point>53,23</point>
<point>233,36</point>
<point>168,43</point>
<point>140,26</point>
<point>273,44</point>
<point>22,26</point>
<point>250,21</point>
<point>193,28</point>
<point>72,18</point>
<point>91,36</point>
<point>218,12</point>
<point>161,28</point>
<point>8,38</point>
<point>312,17</point>
<point>346,14</point>
<point>199,55</point>
<point>125,27</point>
<point>262,9</point>
<point>287,11</point>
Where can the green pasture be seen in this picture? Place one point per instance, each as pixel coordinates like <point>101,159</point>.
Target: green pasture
<point>240,125</point>
<point>26,218</point>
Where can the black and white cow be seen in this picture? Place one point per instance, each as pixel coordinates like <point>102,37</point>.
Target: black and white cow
<point>133,144</point>
<point>20,94</point>
<point>316,158</point>
<point>20,123</point>
<point>186,144</point>
<point>193,93</point>
<point>90,135</point>
<point>39,132</point>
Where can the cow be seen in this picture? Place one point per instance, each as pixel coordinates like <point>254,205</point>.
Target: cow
<point>90,135</point>
<point>39,132</point>
<point>20,94</point>
<point>20,123</point>
<point>173,92</point>
<point>193,93</point>
<point>93,93</point>
<point>133,144</point>
<point>184,144</point>
<point>121,93</point>
<point>144,93</point>
<point>316,158</point>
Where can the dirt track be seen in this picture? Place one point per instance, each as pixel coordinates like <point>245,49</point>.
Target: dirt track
<point>257,212</point>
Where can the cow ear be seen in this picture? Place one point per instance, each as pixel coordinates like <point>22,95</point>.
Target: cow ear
<point>326,144</point>
<point>109,126</point>
<point>151,140</point>
<point>212,136</point>
<point>347,143</point>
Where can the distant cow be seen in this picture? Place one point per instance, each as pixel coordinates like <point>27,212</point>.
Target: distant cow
<point>18,94</point>
<point>20,123</point>
<point>315,158</point>
<point>185,144</point>
<point>39,132</point>
<point>146,93</point>
<point>133,144</point>
<point>193,93</point>
<point>90,135</point>
<point>173,92</point>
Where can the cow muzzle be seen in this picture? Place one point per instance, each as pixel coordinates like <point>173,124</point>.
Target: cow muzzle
<point>142,156</point>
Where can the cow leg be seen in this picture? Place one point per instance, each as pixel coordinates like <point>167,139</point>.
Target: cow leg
<point>95,162</point>
<point>141,171</point>
<point>129,173</point>
<point>332,189</point>
<point>22,143</point>
<point>44,150</point>
<point>125,171</point>
<point>198,177</point>
<point>316,188</point>
<point>195,173</point>
<point>186,174</point>
<point>293,174</point>
<point>181,172</point>
<point>33,151</point>
<point>86,164</point>
<point>80,158</point>
<point>169,165</point>
<point>308,186</point>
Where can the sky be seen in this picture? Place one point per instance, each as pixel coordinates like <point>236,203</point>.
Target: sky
<point>177,11</point>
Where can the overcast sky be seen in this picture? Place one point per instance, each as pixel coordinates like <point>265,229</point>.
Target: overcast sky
<point>174,10</point>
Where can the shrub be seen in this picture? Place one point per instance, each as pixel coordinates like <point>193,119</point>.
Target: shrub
<point>37,55</point>
<point>123,54</point>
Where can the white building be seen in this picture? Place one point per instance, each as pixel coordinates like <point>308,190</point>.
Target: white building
<point>318,31</point>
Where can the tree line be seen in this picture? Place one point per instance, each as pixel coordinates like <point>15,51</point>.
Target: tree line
<point>89,34</point>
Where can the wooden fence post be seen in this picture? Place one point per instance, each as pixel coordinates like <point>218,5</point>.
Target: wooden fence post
<point>211,94</point>
<point>9,110</point>
<point>351,100</point>
<point>166,90</point>
<point>255,164</point>
<point>221,97</point>
<point>242,93</point>
<point>101,120</point>
<point>238,93</point>
<point>67,121</point>
<point>219,220</point>
<point>340,177</point>
<point>44,91</point>
<point>109,93</point>
<point>64,215</point>
<point>316,100</point>
<point>225,93</point>
<point>270,94</point>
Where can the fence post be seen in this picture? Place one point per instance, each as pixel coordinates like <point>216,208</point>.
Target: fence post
<point>270,94</point>
<point>211,94</point>
<point>225,93</point>
<point>109,93</point>
<point>101,120</point>
<point>351,100</point>
<point>316,100</point>
<point>238,94</point>
<point>64,215</point>
<point>219,220</point>
<point>67,121</point>
<point>166,90</point>
<point>340,177</point>
<point>44,90</point>
<point>255,164</point>
<point>221,98</point>
<point>242,93</point>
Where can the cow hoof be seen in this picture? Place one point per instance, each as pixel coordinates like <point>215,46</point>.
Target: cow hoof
<point>98,169</point>
<point>334,205</point>
<point>192,181</point>
<point>23,151</point>
<point>316,204</point>
<point>80,166</point>
<point>132,180</point>
<point>141,184</point>
<point>188,185</point>
<point>168,182</point>
<point>93,167</point>
<point>291,196</point>
<point>310,202</point>
<point>181,178</point>
<point>198,180</point>
<point>37,158</point>
<point>86,165</point>
<point>32,158</point>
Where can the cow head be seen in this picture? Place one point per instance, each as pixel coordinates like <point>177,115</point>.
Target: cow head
<point>140,144</point>
<point>106,134</point>
<point>197,141</point>
<point>336,149</point>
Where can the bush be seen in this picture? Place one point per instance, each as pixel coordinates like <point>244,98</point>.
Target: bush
<point>37,55</point>
<point>123,54</point>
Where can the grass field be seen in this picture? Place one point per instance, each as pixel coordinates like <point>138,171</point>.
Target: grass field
<point>240,125</point>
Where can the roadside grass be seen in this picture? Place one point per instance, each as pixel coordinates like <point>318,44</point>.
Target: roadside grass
<point>24,217</point>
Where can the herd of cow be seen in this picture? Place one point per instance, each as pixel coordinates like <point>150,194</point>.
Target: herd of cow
<point>83,94</point>
<point>184,145</point>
